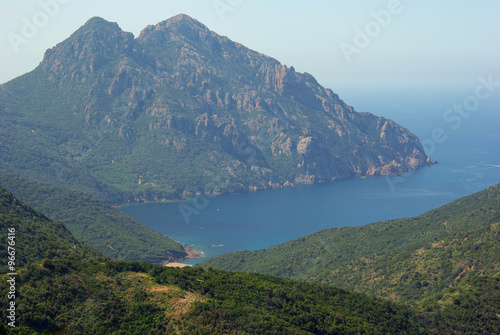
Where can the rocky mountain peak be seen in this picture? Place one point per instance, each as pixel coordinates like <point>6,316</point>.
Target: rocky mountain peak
<point>179,26</point>
<point>98,23</point>
<point>88,49</point>
<point>184,21</point>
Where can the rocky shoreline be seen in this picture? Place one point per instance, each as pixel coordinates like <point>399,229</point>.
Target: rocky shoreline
<point>191,254</point>
<point>386,171</point>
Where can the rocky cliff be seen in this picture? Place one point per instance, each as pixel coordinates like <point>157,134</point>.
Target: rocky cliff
<point>181,111</point>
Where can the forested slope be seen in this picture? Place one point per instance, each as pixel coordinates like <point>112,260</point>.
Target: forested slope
<point>112,232</point>
<point>402,260</point>
<point>63,286</point>
<point>34,237</point>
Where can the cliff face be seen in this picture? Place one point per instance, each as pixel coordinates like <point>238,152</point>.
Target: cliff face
<point>180,110</point>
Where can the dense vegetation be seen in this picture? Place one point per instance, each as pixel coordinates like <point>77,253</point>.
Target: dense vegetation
<point>94,297</point>
<point>104,297</point>
<point>402,260</point>
<point>110,231</point>
<point>36,236</point>
<point>67,287</point>
<point>471,308</point>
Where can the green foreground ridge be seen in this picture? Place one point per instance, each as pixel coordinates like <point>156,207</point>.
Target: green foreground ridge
<point>65,287</point>
<point>401,260</point>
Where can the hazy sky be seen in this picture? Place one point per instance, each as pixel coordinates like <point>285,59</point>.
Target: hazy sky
<point>344,44</point>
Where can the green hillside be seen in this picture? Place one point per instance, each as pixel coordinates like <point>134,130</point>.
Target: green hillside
<point>34,236</point>
<point>473,307</point>
<point>110,231</point>
<point>65,287</point>
<point>111,297</point>
<point>402,260</point>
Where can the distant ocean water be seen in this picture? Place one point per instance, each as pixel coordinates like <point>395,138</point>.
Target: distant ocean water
<point>469,161</point>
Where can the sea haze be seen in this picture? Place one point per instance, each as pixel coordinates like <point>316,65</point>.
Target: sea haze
<point>468,157</point>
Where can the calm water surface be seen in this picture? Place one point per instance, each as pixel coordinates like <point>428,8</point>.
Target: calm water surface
<point>469,161</point>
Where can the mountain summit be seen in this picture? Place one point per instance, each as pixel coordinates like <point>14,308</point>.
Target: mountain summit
<point>180,111</point>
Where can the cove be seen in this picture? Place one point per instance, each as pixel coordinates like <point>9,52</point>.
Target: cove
<point>469,161</point>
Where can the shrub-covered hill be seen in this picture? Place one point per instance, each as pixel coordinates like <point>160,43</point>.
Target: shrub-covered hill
<point>65,287</point>
<point>35,237</point>
<point>110,231</point>
<point>472,308</point>
<point>402,260</point>
<point>101,296</point>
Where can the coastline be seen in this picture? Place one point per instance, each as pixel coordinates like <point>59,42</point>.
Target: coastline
<point>191,198</point>
<point>187,200</point>
<point>191,254</point>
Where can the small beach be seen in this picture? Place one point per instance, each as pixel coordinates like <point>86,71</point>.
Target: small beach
<point>177,265</point>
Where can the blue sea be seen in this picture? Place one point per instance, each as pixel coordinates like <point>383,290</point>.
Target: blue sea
<point>466,145</point>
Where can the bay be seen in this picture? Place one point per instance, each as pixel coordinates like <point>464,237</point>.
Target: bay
<point>468,152</point>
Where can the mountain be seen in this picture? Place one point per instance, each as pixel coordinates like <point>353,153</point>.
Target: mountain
<point>92,221</point>
<point>402,260</point>
<point>181,111</point>
<point>65,287</point>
